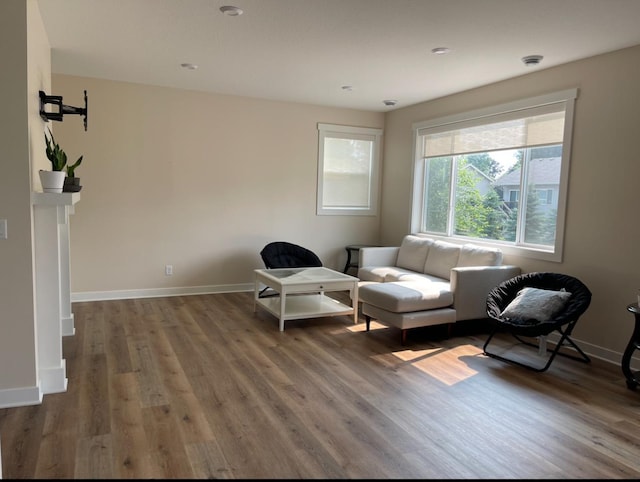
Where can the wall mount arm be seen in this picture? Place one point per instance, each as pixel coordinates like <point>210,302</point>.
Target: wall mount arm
<point>57,115</point>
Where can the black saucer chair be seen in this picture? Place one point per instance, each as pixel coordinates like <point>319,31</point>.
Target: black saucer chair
<point>562,321</point>
<point>281,254</point>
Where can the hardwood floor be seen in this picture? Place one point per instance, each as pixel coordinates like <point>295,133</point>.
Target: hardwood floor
<point>201,387</point>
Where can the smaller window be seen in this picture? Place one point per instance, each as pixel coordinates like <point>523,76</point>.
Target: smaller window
<point>544,195</point>
<point>348,170</point>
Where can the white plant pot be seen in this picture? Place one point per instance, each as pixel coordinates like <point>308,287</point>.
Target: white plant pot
<point>52,181</point>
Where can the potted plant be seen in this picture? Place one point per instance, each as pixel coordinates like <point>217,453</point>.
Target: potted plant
<point>53,181</point>
<point>71,182</point>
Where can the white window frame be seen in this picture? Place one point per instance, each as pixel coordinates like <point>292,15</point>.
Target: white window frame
<point>356,133</point>
<point>417,198</point>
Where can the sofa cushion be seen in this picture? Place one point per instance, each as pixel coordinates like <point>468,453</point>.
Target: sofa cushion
<point>406,296</point>
<point>413,252</point>
<point>375,273</point>
<point>407,275</point>
<point>472,255</point>
<point>385,274</point>
<point>441,258</point>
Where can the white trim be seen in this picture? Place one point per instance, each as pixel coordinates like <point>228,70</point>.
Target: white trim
<point>417,195</point>
<point>522,104</point>
<point>159,292</point>
<point>67,324</point>
<point>20,397</point>
<point>53,379</point>
<point>599,352</point>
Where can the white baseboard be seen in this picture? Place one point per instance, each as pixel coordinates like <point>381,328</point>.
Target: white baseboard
<point>599,352</point>
<point>67,326</point>
<point>20,397</point>
<point>159,292</point>
<point>53,379</point>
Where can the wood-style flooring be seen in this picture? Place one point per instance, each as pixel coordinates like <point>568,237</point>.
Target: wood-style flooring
<point>201,387</point>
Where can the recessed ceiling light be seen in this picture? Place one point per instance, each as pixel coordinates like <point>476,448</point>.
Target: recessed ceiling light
<point>189,66</point>
<point>231,11</point>
<point>532,60</point>
<point>390,102</point>
<point>440,50</point>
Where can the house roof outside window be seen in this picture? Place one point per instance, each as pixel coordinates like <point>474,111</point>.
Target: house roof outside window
<point>544,171</point>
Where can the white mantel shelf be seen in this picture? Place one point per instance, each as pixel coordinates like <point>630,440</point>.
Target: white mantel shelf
<point>54,318</point>
<point>55,199</point>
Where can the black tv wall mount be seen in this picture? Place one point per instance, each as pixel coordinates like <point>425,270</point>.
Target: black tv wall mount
<point>57,115</point>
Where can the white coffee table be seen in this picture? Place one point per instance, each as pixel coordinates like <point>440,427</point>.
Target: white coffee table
<point>308,285</point>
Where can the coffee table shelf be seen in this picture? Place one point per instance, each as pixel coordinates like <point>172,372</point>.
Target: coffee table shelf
<point>305,306</point>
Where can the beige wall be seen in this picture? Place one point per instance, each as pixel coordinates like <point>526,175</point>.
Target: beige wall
<point>602,228</point>
<point>195,180</point>
<point>25,70</point>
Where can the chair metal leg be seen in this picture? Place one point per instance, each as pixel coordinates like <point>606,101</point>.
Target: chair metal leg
<point>556,351</point>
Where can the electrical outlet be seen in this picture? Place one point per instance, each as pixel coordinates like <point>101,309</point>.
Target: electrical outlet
<point>168,270</point>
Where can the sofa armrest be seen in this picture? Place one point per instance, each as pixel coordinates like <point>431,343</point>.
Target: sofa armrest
<point>378,256</point>
<point>471,286</point>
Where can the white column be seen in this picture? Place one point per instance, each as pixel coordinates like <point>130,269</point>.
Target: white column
<point>66,315</point>
<point>53,298</point>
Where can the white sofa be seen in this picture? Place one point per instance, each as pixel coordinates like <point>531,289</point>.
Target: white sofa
<point>427,282</point>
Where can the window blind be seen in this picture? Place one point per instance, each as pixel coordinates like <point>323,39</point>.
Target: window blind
<point>536,126</point>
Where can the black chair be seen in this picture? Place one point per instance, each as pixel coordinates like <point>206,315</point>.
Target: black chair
<point>281,254</point>
<point>563,321</point>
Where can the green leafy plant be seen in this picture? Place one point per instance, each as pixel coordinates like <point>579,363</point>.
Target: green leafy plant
<point>58,157</point>
<point>71,169</point>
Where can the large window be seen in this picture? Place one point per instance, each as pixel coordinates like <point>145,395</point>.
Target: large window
<point>497,176</point>
<point>348,170</point>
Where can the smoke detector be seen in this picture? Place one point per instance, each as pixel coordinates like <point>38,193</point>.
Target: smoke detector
<point>531,60</point>
<point>390,102</point>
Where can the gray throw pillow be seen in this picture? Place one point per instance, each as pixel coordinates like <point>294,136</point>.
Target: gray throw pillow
<point>536,304</point>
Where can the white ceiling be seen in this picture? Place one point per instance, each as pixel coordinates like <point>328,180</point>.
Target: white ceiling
<point>306,50</point>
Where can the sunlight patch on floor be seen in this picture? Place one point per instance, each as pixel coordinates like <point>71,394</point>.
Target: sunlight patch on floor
<point>360,327</point>
<point>445,365</point>
<point>410,355</point>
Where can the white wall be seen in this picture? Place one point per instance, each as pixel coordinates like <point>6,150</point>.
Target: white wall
<point>602,228</point>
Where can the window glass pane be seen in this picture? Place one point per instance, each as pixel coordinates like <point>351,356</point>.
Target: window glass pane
<point>507,188</point>
<point>347,173</point>
<point>477,207</point>
<point>543,177</point>
<point>437,190</point>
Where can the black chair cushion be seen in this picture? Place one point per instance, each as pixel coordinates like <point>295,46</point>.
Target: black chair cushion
<point>503,294</point>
